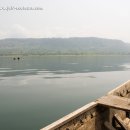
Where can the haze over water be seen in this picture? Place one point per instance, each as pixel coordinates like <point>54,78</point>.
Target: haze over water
<point>37,90</point>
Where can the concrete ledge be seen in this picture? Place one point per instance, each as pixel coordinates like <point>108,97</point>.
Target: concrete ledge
<point>69,117</point>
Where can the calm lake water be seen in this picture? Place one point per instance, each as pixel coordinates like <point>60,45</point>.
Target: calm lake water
<point>37,90</point>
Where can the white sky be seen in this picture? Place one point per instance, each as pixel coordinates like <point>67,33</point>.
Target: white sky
<point>67,18</point>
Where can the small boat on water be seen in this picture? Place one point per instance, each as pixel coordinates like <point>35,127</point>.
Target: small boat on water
<point>18,58</point>
<point>110,112</point>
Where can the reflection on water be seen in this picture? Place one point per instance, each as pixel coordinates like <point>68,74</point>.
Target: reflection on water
<point>126,66</point>
<point>62,64</point>
<point>36,91</point>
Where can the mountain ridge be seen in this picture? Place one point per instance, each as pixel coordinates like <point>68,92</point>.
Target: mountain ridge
<point>63,46</point>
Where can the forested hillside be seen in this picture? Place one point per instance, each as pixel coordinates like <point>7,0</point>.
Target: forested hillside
<point>62,46</point>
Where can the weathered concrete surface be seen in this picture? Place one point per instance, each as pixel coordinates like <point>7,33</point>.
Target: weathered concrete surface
<point>97,116</point>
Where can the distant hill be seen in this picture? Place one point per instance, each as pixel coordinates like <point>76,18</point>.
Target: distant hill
<point>62,46</point>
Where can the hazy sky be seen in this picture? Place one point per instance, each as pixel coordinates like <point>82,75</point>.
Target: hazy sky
<point>66,18</point>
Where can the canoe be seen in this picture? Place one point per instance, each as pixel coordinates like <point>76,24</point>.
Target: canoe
<point>110,112</point>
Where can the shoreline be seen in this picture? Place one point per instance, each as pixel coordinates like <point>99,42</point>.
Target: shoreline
<point>25,55</point>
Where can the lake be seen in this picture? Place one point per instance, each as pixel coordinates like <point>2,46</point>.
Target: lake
<point>37,90</point>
